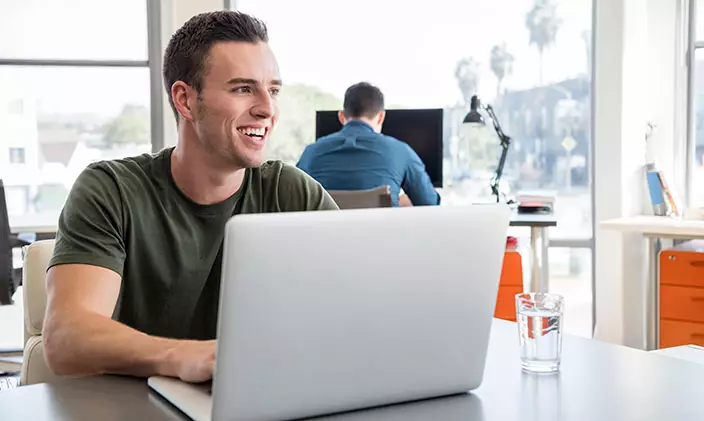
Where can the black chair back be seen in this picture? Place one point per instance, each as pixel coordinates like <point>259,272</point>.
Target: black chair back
<point>8,277</point>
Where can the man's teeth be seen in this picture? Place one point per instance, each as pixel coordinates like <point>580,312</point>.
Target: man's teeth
<point>253,131</point>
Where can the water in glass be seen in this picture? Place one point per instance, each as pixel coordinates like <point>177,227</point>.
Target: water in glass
<point>540,331</point>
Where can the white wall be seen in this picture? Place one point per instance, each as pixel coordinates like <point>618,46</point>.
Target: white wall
<point>636,81</point>
<point>175,13</point>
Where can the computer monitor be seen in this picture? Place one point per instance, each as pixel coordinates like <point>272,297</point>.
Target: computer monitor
<point>421,129</point>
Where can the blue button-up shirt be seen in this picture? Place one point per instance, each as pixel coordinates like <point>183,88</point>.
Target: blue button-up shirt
<point>358,158</point>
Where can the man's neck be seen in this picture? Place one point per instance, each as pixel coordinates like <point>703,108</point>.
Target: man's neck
<point>194,173</point>
<point>366,121</point>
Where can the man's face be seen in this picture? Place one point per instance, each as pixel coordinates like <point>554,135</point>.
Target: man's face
<point>236,109</point>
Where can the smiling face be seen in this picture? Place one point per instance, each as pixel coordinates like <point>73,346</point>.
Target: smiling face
<point>235,111</point>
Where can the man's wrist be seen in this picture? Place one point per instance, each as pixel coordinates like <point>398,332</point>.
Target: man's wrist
<point>166,361</point>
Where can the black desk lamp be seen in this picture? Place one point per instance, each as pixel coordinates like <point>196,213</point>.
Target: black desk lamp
<point>473,117</point>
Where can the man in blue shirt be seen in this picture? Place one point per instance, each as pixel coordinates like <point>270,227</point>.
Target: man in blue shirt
<point>359,157</point>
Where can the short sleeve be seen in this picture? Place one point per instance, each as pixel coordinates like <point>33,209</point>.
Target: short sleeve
<point>90,227</point>
<point>297,191</point>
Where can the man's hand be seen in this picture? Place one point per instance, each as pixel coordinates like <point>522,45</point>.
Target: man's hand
<point>404,201</point>
<point>193,361</point>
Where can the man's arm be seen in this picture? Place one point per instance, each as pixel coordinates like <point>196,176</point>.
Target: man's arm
<point>83,285</point>
<point>80,338</point>
<point>416,182</point>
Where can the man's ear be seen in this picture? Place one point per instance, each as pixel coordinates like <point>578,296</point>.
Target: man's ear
<point>184,98</point>
<point>380,118</point>
<point>341,117</point>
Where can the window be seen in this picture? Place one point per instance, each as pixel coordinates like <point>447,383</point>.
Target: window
<point>16,106</point>
<point>16,155</point>
<point>697,182</point>
<point>73,29</point>
<point>530,59</point>
<point>75,89</point>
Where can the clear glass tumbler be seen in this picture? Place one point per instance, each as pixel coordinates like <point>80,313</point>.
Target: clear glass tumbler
<point>539,318</point>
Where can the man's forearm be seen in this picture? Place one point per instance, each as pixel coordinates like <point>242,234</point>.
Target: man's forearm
<point>88,343</point>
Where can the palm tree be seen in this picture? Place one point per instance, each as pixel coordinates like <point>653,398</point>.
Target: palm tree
<point>467,77</point>
<point>501,64</point>
<point>543,23</point>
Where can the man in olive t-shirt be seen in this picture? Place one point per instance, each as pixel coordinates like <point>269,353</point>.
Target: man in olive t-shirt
<point>129,216</point>
<point>133,284</point>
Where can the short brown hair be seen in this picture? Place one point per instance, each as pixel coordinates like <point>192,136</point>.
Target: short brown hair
<point>188,49</point>
<point>363,100</point>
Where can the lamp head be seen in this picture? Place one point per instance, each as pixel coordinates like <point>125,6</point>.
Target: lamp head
<point>473,116</point>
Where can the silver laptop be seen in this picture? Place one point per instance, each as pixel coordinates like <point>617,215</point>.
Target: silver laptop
<point>323,312</point>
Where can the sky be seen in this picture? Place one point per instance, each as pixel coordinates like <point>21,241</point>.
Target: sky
<point>75,29</point>
<point>409,49</point>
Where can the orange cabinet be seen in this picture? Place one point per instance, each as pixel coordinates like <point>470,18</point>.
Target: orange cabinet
<point>510,284</point>
<point>681,298</point>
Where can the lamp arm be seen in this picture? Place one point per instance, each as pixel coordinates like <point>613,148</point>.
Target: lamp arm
<point>505,142</point>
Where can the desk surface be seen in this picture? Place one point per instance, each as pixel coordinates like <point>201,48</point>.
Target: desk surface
<point>598,381</point>
<point>533,220</point>
<point>660,226</point>
<point>40,223</point>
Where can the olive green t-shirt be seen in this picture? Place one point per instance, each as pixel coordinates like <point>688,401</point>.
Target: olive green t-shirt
<point>129,216</point>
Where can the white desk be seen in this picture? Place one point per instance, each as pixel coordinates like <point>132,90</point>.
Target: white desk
<point>654,228</point>
<point>38,223</point>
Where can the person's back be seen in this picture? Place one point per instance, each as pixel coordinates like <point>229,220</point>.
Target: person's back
<point>359,157</point>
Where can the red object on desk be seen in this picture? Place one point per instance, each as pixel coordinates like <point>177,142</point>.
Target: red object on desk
<point>511,282</point>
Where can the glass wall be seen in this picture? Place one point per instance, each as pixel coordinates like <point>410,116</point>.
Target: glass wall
<point>529,59</point>
<point>697,91</point>
<point>74,89</point>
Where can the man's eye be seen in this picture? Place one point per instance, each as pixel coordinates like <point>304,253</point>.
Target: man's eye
<point>275,92</point>
<point>242,90</point>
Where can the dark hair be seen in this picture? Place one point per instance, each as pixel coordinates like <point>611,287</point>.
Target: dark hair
<point>188,49</point>
<point>363,100</point>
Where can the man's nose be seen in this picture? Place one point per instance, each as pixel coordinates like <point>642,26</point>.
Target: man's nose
<point>265,107</point>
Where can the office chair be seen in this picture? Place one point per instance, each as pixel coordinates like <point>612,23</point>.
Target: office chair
<point>379,197</point>
<point>10,278</point>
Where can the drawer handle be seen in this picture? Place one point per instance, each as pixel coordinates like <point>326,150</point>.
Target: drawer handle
<point>697,335</point>
<point>697,299</point>
<point>697,263</point>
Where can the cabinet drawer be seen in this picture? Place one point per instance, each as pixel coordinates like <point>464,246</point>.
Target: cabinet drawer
<point>512,270</point>
<point>674,333</point>
<point>679,267</point>
<point>506,303</point>
<point>682,303</point>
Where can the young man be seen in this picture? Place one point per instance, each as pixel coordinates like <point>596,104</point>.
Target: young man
<point>134,280</point>
<point>359,157</point>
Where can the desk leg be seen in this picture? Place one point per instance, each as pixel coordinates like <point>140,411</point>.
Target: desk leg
<point>651,307</point>
<point>544,263</point>
<point>539,273</point>
<point>535,252</point>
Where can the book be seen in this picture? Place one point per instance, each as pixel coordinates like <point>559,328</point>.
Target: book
<point>657,197</point>
<point>661,196</point>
